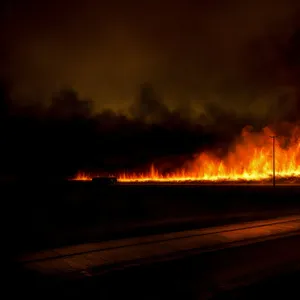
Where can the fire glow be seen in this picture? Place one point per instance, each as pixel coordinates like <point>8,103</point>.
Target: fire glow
<point>248,160</point>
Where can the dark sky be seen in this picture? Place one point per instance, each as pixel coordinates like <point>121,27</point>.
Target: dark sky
<point>230,52</point>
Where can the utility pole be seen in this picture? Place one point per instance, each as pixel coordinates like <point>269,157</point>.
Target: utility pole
<point>273,137</point>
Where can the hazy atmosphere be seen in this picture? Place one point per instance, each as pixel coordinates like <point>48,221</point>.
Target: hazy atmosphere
<point>236,54</point>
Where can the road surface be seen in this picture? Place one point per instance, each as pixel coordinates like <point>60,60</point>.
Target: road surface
<point>97,258</point>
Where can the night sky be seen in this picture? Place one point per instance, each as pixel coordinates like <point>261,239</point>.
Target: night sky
<point>238,54</point>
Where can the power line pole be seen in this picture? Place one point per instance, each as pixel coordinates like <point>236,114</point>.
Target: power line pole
<point>273,137</point>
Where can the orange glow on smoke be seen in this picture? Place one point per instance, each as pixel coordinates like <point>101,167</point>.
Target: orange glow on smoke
<point>250,159</point>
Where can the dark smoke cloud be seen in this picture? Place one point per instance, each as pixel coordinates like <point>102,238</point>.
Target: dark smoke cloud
<point>66,136</point>
<point>208,70</point>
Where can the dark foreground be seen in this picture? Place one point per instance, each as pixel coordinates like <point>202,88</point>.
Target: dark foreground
<point>41,215</point>
<point>263,270</point>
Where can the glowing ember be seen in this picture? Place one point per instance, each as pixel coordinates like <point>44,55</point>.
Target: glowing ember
<point>250,159</point>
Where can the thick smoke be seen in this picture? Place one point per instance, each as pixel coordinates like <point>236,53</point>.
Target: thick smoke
<point>213,69</point>
<point>67,135</point>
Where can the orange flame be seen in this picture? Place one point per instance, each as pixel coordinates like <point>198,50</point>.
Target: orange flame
<point>82,177</point>
<point>249,160</point>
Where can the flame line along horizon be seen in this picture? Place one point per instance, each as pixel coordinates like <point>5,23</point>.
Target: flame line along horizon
<point>157,177</point>
<point>250,159</point>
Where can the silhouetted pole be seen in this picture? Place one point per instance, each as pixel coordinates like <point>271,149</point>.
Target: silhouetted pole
<point>273,137</point>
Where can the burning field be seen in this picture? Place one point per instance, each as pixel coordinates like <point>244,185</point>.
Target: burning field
<point>249,159</point>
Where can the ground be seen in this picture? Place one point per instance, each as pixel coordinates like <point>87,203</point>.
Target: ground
<point>42,215</point>
<point>46,215</point>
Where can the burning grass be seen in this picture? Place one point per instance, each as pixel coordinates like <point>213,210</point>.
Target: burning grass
<point>250,159</point>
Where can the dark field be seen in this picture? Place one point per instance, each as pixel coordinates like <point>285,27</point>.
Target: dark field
<point>41,215</point>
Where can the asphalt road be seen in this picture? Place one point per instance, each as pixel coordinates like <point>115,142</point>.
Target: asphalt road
<point>263,270</point>
<point>198,264</point>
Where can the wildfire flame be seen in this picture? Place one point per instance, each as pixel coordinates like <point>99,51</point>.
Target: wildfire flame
<point>250,159</point>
